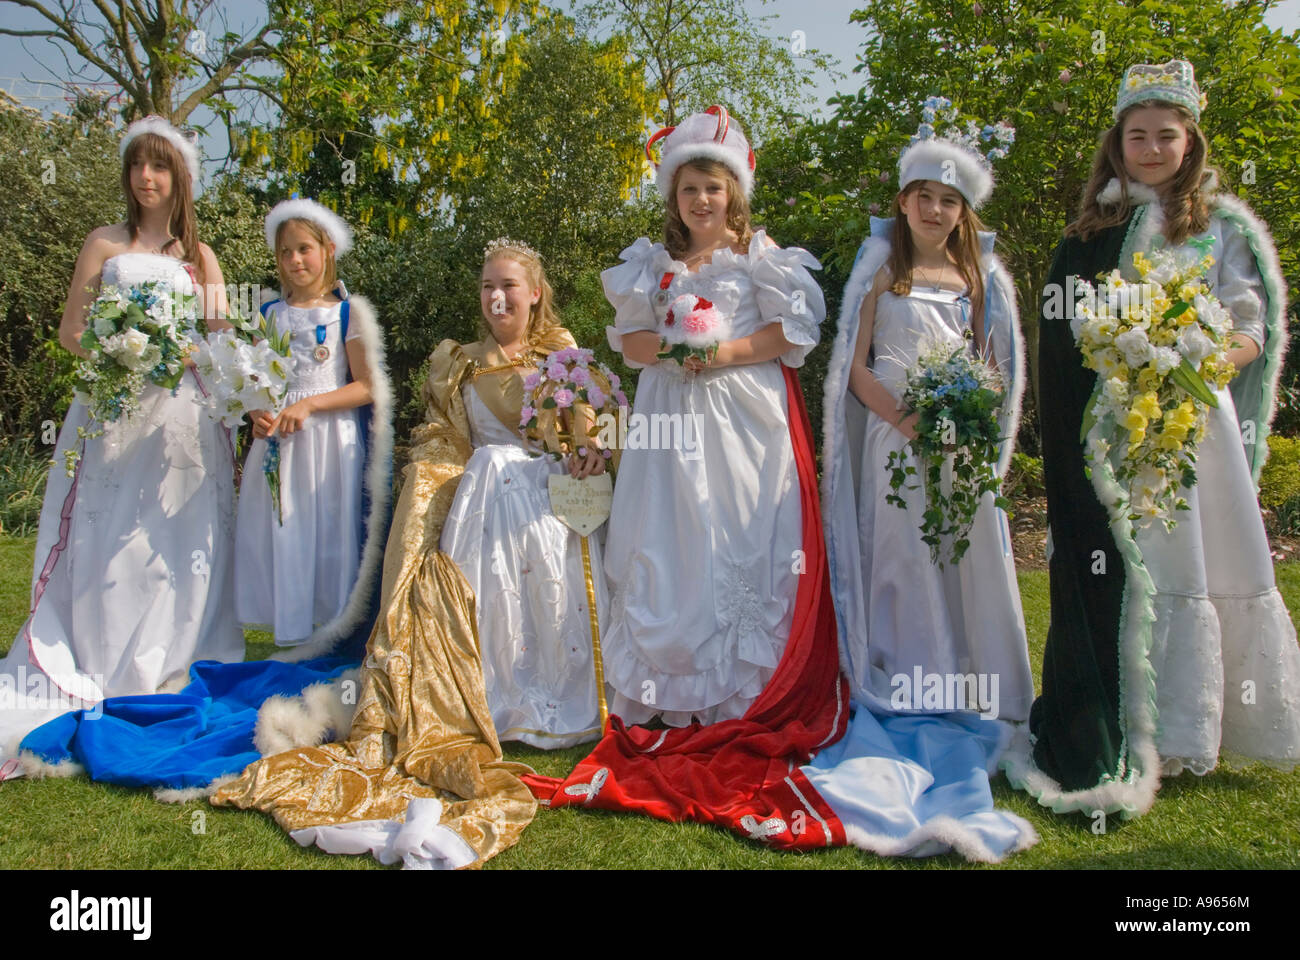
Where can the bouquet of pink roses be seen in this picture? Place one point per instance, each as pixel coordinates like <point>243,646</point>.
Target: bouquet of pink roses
<point>554,393</point>
<point>693,328</point>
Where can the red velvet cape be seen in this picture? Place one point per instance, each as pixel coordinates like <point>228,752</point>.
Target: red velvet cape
<point>740,774</point>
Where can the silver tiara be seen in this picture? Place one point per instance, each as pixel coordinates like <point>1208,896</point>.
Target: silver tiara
<point>501,243</point>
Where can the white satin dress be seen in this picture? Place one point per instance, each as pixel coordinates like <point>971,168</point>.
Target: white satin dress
<point>703,550</point>
<point>966,618</point>
<point>525,567</point>
<point>132,580</point>
<point>1223,645</point>
<point>299,575</point>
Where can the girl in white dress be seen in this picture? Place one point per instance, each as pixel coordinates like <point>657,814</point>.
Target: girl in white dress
<point>304,577</point>
<point>1179,647</point>
<point>524,565</point>
<point>132,576</point>
<point>927,276</point>
<point>704,543</point>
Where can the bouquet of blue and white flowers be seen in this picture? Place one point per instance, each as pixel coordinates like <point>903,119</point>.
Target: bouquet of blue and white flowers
<point>957,397</point>
<point>135,335</point>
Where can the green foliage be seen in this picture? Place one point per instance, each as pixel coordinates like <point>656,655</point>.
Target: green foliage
<point>22,485</point>
<point>1024,478</point>
<point>1043,66</point>
<point>1279,481</point>
<point>58,181</point>
<point>385,104</point>
<point>701,52</point>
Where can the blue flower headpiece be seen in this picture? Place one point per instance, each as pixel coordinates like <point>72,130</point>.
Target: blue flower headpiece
<point>959,156</point>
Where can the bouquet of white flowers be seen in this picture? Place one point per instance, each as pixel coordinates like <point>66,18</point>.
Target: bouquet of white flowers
<point>135,335</point>
<point>248,368</point>
<point>1155,345</point>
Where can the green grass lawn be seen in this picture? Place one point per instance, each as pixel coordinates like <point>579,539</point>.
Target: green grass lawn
<point>1231,819</point>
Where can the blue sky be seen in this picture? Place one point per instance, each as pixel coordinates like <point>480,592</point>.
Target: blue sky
<point>29,69</point>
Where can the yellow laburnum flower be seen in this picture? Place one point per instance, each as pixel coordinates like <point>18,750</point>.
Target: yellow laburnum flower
<point>1169,442</point>
<point>1148,379</point>
<point>1148,404</point>
<point>1174,430</point>
<point>1135,438</point>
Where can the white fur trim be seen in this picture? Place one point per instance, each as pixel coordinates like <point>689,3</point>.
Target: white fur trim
<point>186,794</point>
<point>946,162</point>
<point>1151,221</point>
<point>1113,193</point>
<point>157,125</point>
<point>38,769</point>
<point>998,276</point>
<point>693,139</point>
<point>307,720</point>
<point>301,209</point>
<point>949,832</point>
<point>378,485</point>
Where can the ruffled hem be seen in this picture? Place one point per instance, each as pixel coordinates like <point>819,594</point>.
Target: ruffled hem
<point>1127,798</point>
<point>723,692</point>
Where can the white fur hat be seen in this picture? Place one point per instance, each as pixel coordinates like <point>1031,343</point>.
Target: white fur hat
<point>157,125</point>
<point>711,135</point>
<point>298,209</point>
<point>956,158</point>
<point>947,163</point>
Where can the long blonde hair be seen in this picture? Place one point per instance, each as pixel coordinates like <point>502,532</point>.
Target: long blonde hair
<point>1186,201</point>
<point>963,244</point>
<point>542,316</point>
<point>181,222</point>
<point>677,238</point>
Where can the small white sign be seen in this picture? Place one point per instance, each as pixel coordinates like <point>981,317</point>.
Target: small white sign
<point>581,505</point>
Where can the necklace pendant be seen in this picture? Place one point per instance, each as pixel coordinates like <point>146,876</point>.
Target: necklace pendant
<point>321,353</point>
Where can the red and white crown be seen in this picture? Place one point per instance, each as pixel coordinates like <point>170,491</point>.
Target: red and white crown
<point>711,135</point>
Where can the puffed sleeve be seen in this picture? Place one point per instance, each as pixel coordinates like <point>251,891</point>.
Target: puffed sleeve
<point>788,294</point>
<point>628,287</point>
<point>1241,288</point>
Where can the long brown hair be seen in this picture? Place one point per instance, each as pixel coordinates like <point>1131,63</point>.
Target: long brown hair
<point>543,319</point>
<point>963,243</point>
<point>677,238</point>
<point>1185,202</point>
<point>181,223</point>
<point>318,233</point>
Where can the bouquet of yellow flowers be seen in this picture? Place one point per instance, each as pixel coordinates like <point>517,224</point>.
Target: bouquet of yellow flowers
<point>1156,345</point>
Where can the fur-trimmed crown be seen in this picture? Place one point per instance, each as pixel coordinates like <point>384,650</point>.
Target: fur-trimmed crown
<point>157,125</point>
<point>340,233</point>
<point>954,158</point>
